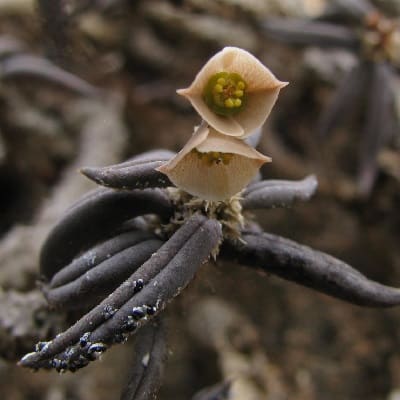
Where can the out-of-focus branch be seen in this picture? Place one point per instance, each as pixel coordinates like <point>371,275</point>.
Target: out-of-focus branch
<point>54,20</point>
<point>20,247</point>
<point>242,359</point>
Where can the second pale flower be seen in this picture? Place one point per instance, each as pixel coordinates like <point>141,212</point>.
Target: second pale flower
<point>213,166</point>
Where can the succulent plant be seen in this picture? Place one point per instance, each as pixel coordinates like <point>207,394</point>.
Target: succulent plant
<point>122,253</point>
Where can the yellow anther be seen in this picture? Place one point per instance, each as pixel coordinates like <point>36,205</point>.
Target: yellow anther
<point>229,103</point>
<point>211,158</point>
<point>226,158</point>
<point>221,81</point>
<point>218,88</point>
<point>239,93</point>
<point>222,91</point>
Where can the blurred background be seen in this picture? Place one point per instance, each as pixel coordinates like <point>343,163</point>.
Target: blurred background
<point>92,82</point>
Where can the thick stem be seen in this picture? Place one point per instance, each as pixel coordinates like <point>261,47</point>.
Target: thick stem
<point>303,265</point>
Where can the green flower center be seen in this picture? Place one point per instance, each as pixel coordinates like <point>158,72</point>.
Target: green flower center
<point>214,157</point>
<point>225,93</point>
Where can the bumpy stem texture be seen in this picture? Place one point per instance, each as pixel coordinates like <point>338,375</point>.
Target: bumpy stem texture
<point>137,300</point>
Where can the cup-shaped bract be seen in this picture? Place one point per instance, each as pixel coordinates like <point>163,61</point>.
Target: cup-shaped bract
<point>213,166</point>
<point>234,92</point>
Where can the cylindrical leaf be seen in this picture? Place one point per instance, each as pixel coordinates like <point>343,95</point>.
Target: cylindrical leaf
<point>301,264</point>
<point>138,173</point>
<point>95,219</point>
<point>278,193</point>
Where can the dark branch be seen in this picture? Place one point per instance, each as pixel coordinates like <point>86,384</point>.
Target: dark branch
<point>138,173</point>
<point>138,299</point>
<point>278,193</point>
<point>294,262</point>
<point>103,277</point>
<point>220,391</point>
<point>379,125</point>
<point>54,21</point>
<point>345,99</point>
<point>26,66</point>
<point>147,369</point>
<point>97,255</point>
<point>95,218</point>
<point>357,10</point>
<point>307,32</point>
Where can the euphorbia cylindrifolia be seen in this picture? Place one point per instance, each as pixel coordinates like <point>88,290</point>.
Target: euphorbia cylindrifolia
<point>123,252</point>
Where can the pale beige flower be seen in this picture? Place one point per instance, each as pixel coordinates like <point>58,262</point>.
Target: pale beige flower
<point>213,166</point>
<point>234,92</point>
